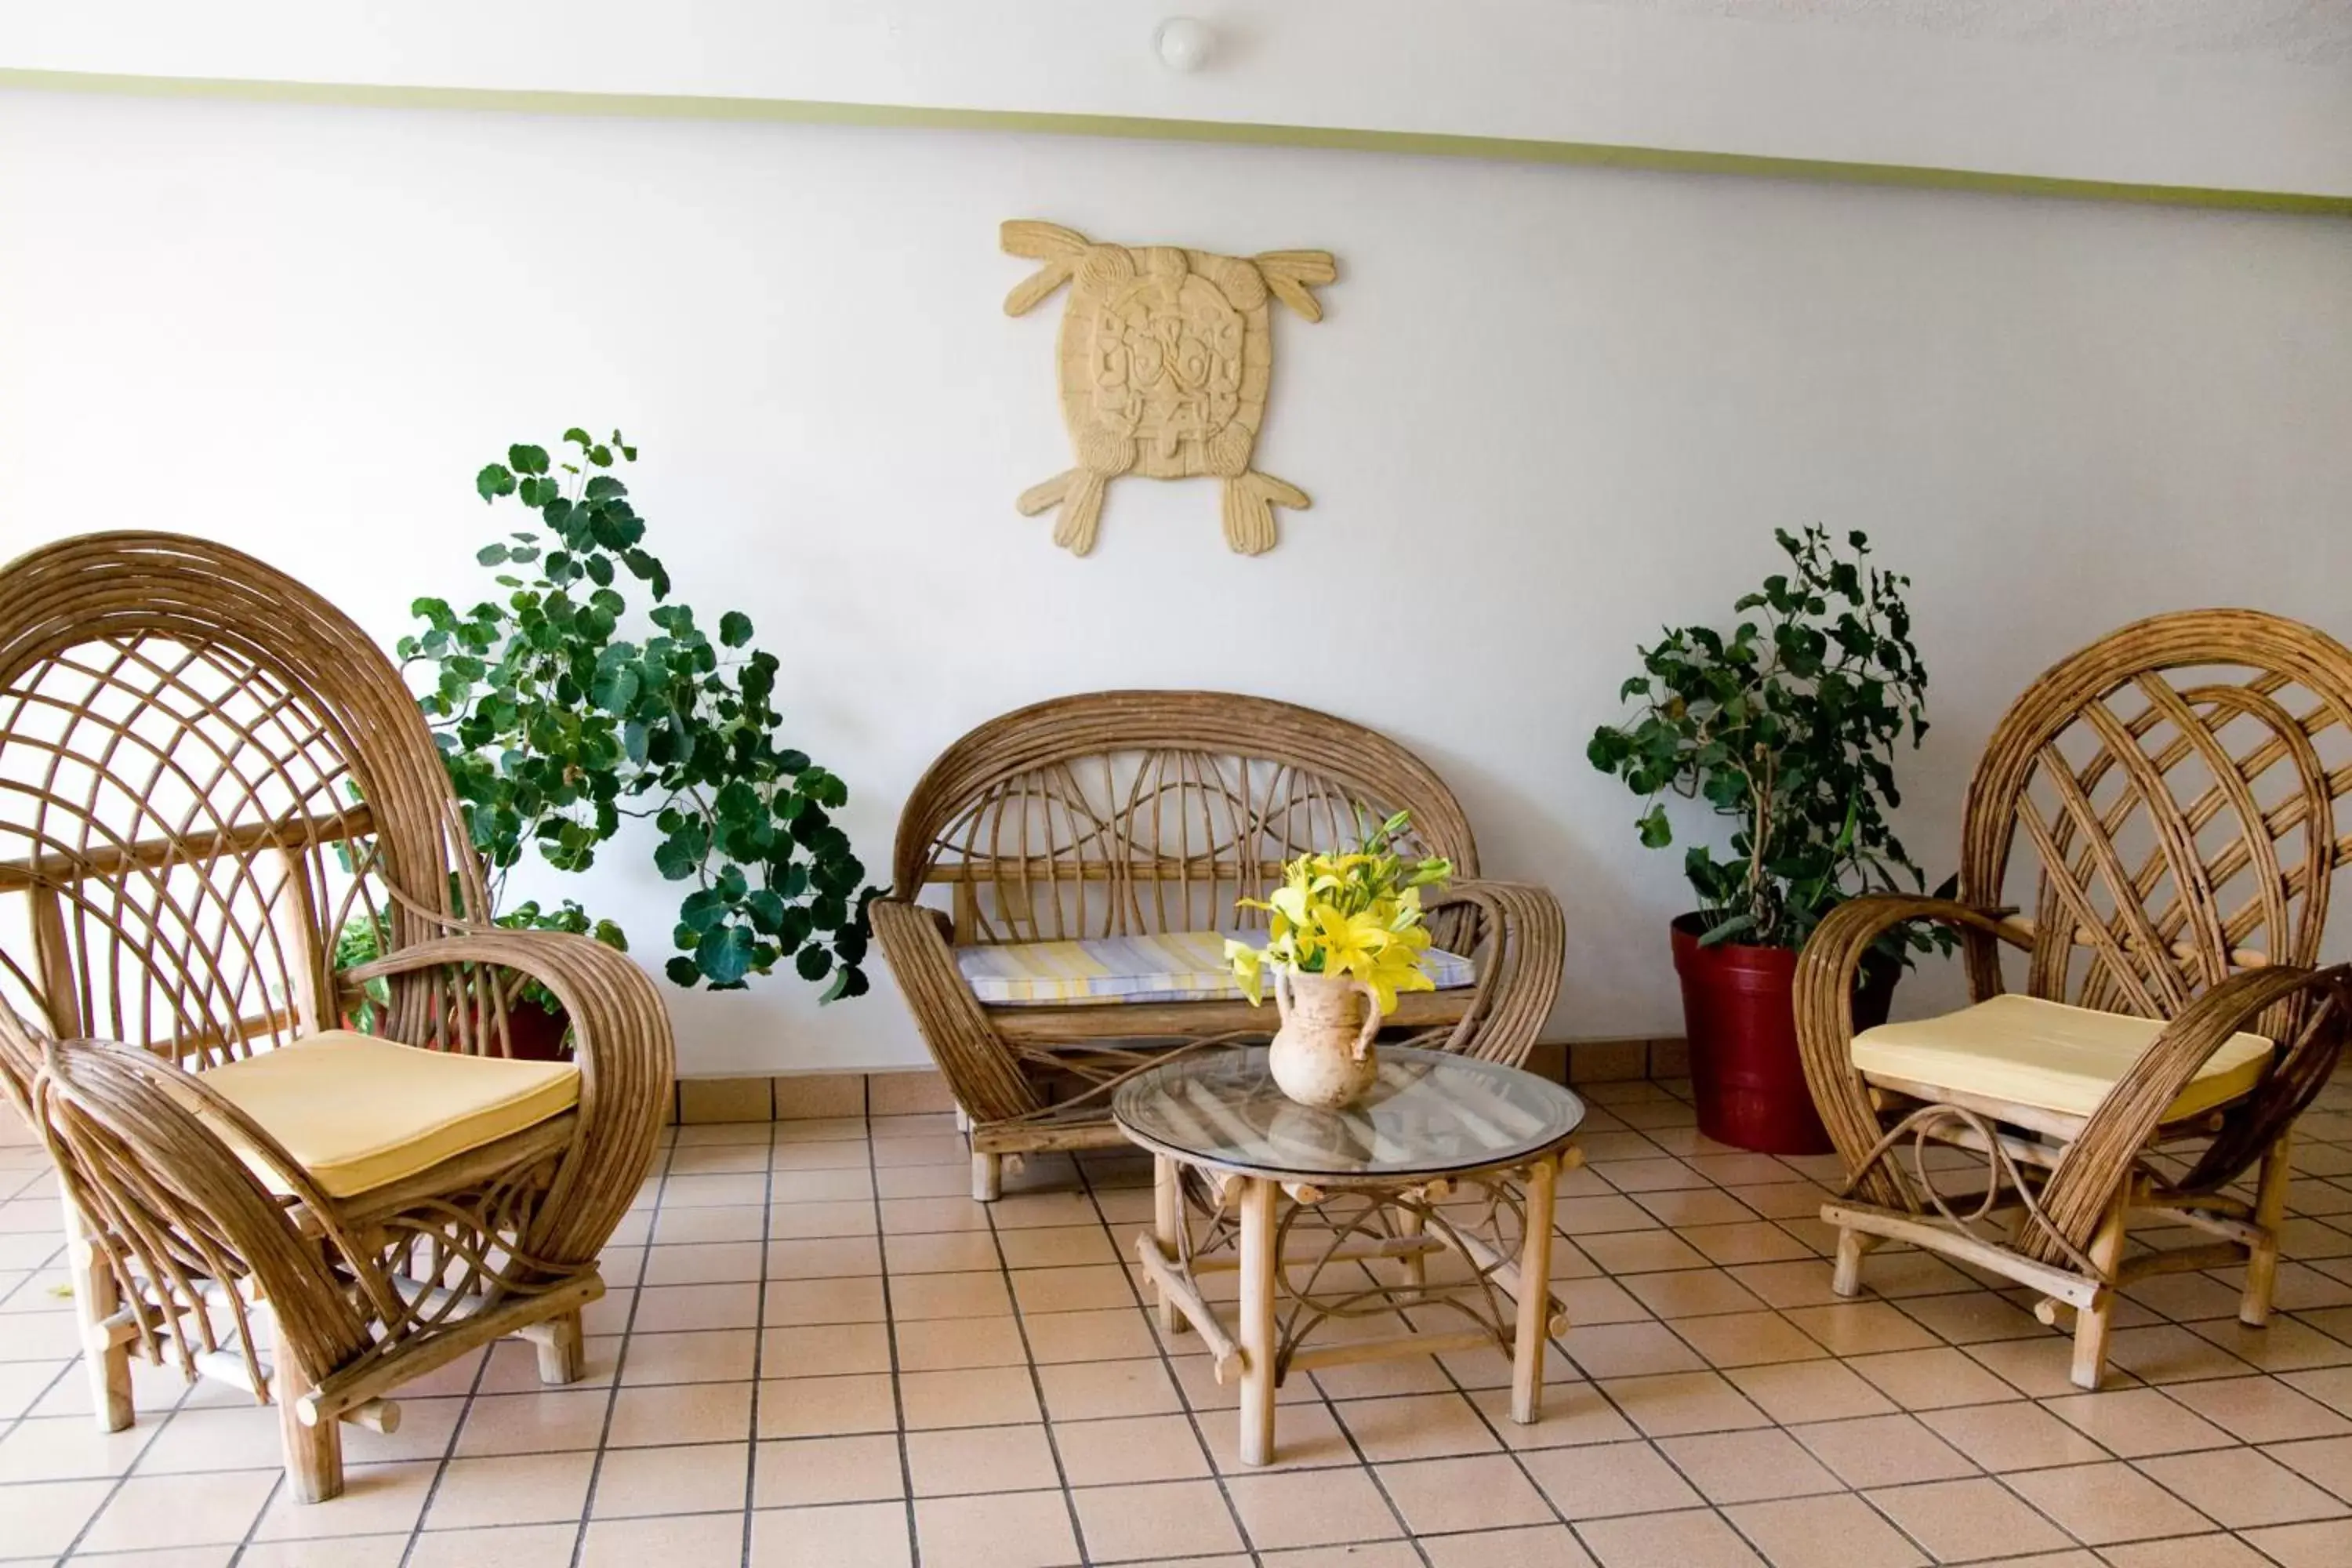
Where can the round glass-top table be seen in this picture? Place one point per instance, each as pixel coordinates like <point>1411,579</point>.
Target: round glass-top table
<point>1333,1216</point>
<point>1430,1114</point>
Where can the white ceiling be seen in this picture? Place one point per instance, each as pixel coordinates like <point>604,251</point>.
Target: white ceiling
<point>2302,32</point>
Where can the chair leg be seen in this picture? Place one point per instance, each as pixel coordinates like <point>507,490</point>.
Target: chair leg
<point>2090,1323</point>
<point>987,1177</point>
<point>314,1455</point>
<point>96,1299</point>
<point>1845,1278</point>
<point>2270,1212</point>
<point>563,1354</point>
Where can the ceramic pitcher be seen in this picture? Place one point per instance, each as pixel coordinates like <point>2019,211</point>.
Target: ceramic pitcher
<point>1322,1055</point>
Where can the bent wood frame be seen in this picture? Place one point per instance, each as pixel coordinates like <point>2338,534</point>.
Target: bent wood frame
<point>206,770</point>
<point>1125,812</point>
<point>2163,798</point>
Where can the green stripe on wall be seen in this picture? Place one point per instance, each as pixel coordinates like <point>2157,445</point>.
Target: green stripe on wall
<point>801,111</point>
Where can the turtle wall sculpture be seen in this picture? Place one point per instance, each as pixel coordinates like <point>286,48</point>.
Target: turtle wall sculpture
<point>1165,355</point>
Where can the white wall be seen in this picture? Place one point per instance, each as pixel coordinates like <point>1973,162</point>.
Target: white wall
<point>1547,411</point>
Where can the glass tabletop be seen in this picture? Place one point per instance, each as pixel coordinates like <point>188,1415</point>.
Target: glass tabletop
<point>1432,1112</point>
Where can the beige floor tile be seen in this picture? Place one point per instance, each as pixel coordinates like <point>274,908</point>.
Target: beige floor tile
<point>702,1263</point>
<point>1624,1252</point>
<point>964,1460</point>
<point>1696,1205</point>
<point>666,1307</point>
<point>802,1303</point>
<point>800,1471</point>
<point>801,1221</point>
<point>520,1489</point>
<point>1418,1426</point>
<point>1306,1437</point>
<point>1084,1391</point>
<point>2328,1544</point>
<point>2327,1460</point>
<point>2133,1422</point>
<point>2100,1504</point>
<point>971,1397</point>
<point>1747,1467</point>
<point>738,1225</point>
<point>2012,1436</point>
<point>350,1552</point>
<point>945,1344</point>
<point>695,1192</point>
<point>1747,1339</point>
<point>1484,1491</point>
<point>1696,1540</point>
<point>2260,1409</point>
<point>2187,1552</point>
<point>701,1540</point>
<point>1861,1328</point>
<point>1805,1283</point>
<point>912,1216</point>
<point>1601,1479</point>
<point>2286,1345</point>
<point>376,1499</point>
<point>920,1297</point>
<point>533,1423</point>
<point>2041,1369</point>
<point>2240,1489</point>
<point>44,1517</point>
<point>2166,1353</point>
<point>1110,1333</point>
<point>1540,1546</point>
<point>1882,1450</point>
<point>824,1349</point>
<point>1683,1293</point>
<point>1972,1317</point>
<point>1683,1402</point>
<point>1960,1520</point>
<point>852,1535</point>
<point>1839,1531</point>
<point>71,1447</point>
<point>1380,1379</point>
<point>1059,1246</point>
<point>1310,1508</point>
<point>941,1252</point>
<point>521,1546</point>
<point>1156,1522</point>
<point>823,1258</point>
<point>823,1187</point>
<point>681,1413</point>
<point>1011,1530</point>
<point>1791,1392</point>
<point>1931,1379</point>
<point>1629,1350</point>
<point>697,1478</point>
<point>1091,1287</point>
<point>1126,1450</point>
<point>826,1407</point>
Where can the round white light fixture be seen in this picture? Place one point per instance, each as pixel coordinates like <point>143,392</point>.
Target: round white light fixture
<point>1184,44</point>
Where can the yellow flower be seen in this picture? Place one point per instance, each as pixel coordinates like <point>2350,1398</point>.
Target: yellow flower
<point>1357,914</point>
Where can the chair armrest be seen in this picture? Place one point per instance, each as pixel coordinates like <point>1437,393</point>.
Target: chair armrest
<point>1824,1005</point>
<point>1524,937</point>
<point>2090,1172</point>
<point>628,1059</point>
<point>986,1080</point>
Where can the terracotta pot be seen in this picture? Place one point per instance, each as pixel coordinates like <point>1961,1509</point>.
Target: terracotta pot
<point>1739,1014</point>
<point>1323,1055</point>
<point>534,1033</point>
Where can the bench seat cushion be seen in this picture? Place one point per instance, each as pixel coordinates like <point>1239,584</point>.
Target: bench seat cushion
<point>360,1112</point>
<point>2046,1055</point>
<point>1170,966</point>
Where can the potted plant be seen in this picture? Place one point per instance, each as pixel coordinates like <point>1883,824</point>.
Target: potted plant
<point>1345,934</point>
<point>559,719</point>
<point>1789,725</point>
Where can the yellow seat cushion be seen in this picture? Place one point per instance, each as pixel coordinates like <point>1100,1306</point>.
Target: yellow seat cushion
<point>360,1113</point>
<point>2047,1054</point>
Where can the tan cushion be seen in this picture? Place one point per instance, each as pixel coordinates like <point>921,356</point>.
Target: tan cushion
<point>360,1113</point>
<point>2047,1054</point>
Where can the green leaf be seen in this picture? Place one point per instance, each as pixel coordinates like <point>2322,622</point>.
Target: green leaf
<point>491,555</point>
<point>814,962</point>
<point>527,459</point>
<point>734,628</point>
<point>493,481</point>
<point>1656,831</point>
<point>682,970</point>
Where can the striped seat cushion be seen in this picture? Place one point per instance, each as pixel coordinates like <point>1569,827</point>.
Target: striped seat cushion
<point>1172,966</point>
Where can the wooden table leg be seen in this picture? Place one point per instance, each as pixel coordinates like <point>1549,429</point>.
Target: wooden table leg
<point>1410,1223</point>
<point>1534,1294</point>
<point>1258,1266</point>
<point>1167,1219</point>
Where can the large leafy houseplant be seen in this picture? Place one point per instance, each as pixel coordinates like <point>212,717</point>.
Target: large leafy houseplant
<point>560,715</point>
<point>1789,725</point>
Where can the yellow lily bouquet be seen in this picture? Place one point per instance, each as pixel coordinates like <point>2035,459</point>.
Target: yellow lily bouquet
<point>1356,915</point>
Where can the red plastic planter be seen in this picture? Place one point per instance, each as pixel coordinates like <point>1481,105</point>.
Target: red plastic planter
<point>1738,1011</point>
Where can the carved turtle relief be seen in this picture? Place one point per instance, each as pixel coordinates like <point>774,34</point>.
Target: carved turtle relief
<point>1165,356</point>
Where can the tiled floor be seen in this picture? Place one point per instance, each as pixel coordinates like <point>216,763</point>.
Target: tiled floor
<point>819,1354</point>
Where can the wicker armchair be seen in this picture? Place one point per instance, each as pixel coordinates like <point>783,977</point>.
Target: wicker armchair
<point>205,772</point>
<point>1134,813</point>
<point>2153,830</point>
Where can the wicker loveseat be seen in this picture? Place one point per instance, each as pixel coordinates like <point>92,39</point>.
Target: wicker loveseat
<point>1131,822</point>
